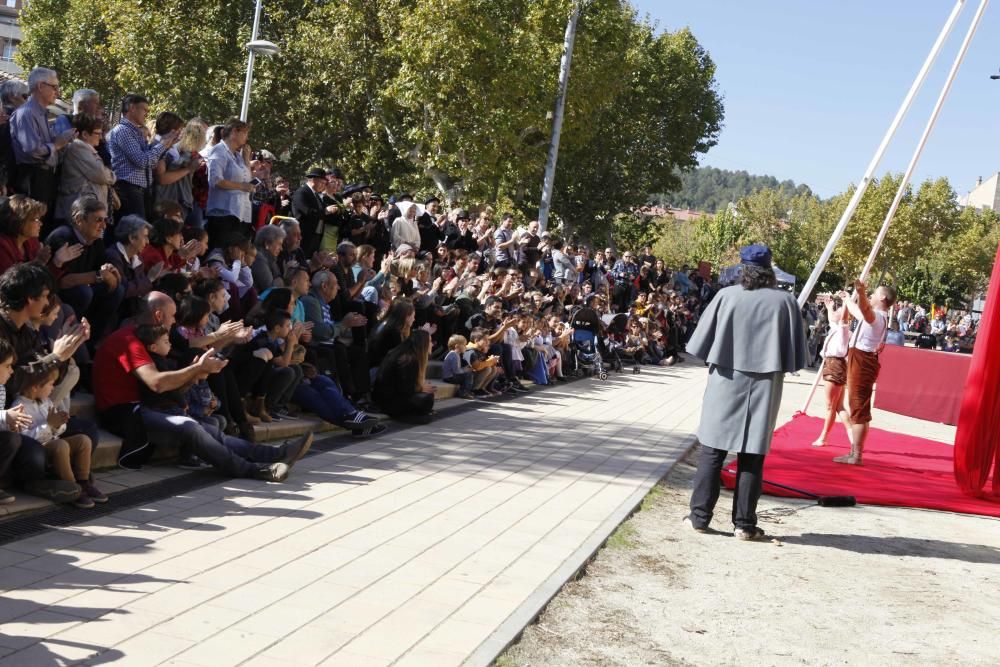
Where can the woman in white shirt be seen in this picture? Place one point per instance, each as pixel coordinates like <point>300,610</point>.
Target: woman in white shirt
<point>834,364</point>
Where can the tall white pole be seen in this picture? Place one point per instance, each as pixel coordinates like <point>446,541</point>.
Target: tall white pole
<point>873,165</point>
<point>856,199</point>
<point>245,108</point>
<point>550,165</point>
<point>955,66</point>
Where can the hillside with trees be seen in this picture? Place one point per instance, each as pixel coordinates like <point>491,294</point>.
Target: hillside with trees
<point>709,189</point>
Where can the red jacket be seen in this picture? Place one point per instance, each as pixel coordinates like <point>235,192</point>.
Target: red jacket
<point>10,254</point>
<point>152,255</point>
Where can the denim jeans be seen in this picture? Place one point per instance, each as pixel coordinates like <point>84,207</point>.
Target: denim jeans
<point>321,397</point>
<point>230,456</point>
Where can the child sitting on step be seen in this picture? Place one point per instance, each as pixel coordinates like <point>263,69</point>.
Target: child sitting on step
<point>456,369</point>
<point>67,455</point>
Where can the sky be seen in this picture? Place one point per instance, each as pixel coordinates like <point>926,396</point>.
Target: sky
<point>811,86</point>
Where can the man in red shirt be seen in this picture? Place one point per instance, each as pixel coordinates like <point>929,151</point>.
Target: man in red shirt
<point>122,362</point>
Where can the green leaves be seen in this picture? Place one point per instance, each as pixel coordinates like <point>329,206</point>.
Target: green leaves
<point>449,96</point>
<point>935,251</point>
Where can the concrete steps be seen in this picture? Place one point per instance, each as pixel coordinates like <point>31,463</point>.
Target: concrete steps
<point>111,479</point>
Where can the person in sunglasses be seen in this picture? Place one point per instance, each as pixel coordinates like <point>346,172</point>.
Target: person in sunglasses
<point>89,284</point>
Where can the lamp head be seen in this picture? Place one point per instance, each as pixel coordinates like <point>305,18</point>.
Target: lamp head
<point>263,47</point>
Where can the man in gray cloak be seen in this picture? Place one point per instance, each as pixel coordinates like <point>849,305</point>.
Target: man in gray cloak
<point>750,335</point>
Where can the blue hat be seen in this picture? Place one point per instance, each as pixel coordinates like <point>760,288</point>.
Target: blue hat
<point>757,254</point>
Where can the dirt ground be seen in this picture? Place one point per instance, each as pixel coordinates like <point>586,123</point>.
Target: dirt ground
<point>845,586</point>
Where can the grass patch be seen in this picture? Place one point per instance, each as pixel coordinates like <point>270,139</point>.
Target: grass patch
<point>623,538</point>
<point>505,660</point>
<point>654,495</point>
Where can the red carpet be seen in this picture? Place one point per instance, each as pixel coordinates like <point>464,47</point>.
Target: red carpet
<point>899,470</point>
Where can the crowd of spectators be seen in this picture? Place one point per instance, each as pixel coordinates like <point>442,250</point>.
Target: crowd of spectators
<point>167,268</point>
<point>911,324</point>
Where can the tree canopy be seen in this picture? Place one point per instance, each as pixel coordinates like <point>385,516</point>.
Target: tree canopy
<point>450,96</point>
<point>711,190</point>
<point>935,251</point>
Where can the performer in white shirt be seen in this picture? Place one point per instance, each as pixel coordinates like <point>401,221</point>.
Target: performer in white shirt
<point>862,361</point>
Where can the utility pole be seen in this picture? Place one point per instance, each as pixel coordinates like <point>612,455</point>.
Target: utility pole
<point>557,120</point>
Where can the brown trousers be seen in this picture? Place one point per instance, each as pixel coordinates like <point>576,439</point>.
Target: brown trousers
<point>69,456</point>
<point>862,371</point>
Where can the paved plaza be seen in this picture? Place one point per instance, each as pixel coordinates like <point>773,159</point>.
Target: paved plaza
<point>430,545</point>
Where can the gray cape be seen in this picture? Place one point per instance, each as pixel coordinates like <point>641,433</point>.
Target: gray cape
<point>750,338</point>
<point>758,331</point>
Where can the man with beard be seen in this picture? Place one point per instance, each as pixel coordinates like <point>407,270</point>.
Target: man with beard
<point>527,244</point>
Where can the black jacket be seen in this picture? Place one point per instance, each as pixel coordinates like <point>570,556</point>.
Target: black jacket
<point>309,211</point>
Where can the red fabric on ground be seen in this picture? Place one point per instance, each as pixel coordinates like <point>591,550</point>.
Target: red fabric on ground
<point>898,470</point>
<point>926,384</point>
<point>977,442</point>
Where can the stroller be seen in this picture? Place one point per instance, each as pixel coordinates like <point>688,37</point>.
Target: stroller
<point>586,355</point>
<point>616,324</point>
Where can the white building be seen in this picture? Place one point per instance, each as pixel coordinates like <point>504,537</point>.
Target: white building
<point>986,194</point>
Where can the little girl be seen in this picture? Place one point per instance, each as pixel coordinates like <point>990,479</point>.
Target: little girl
<point>61,393</point>
<point>68,455</point>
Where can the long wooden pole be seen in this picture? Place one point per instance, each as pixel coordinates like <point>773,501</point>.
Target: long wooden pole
<point>879,153</point>
<point>870,172</point>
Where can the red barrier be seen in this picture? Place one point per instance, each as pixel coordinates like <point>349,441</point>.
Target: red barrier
<point>926,384</point>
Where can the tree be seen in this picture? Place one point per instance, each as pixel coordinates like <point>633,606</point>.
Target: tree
<point>663,111</point>
<point>450,96</point>
<point>709,189</point>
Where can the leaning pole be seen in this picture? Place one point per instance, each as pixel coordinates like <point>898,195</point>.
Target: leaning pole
<point>914,160</point>
<point>879,153</point>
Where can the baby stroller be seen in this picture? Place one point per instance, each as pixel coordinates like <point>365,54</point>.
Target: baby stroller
<point>616,324</point>
<point>586,355</point>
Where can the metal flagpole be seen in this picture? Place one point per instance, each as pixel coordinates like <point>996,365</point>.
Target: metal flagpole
<point>866,180</point>
<point>550,165</point>
<point>870,172</point>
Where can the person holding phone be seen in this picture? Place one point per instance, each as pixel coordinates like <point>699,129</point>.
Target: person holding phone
<point>229,209</point>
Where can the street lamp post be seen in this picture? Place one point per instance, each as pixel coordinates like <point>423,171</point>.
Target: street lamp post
<point>557,121</point>
<point>255,46</point>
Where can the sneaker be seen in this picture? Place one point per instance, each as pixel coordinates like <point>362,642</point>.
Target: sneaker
<point>359,421</point>
<point>481,393</point>
<point>297,448</point>
<point>369,431</point>
<point>517,386</point>
<point>56,490</point>
<point>6,498</point>
<point>84,502</point>
<point>92,492</point>
<point>749,534</point>
<point>191,462</point>
<point>273,472</point>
